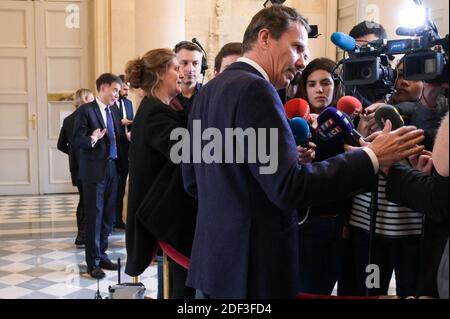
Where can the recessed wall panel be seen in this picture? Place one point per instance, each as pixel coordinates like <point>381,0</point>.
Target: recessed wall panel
<point>14,121</point>
<point>64,74</point>
<point>13,79</point>
<point>13,29</point>
<point>15,168</point>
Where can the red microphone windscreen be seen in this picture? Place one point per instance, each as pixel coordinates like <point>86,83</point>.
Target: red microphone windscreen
<point>349,104</point>
<point>297,108</point>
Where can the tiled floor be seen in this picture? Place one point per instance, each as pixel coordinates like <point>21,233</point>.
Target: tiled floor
<point>38,259</point>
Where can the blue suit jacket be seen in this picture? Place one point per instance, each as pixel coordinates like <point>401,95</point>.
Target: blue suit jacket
<point>93,160</point>
<point>246,241</point>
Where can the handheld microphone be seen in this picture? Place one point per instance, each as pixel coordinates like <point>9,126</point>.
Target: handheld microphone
<point>350,106</point>
<point>300,130</point>
<point>343,41</point>
<point>407,110</point>
<point>297,108</point>
<point>353,138</point>
<point>388,112</point>
<point>333,125</point>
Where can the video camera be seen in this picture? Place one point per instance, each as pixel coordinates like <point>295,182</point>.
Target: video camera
<point>368,70</point>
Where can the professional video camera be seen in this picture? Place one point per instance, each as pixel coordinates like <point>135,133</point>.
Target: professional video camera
<point>368,71</point>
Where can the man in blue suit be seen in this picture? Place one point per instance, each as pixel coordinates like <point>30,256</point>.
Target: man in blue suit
<point>96,135</point>
<point>245,243</point>
<point>125,109</point>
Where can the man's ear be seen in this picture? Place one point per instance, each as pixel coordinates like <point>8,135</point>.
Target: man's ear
<point>263,38</point>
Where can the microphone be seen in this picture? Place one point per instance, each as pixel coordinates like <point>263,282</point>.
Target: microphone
<point>407,110</point>
<point>388,112</point>
<point>333,125</point>
<point>194,40</point>
<point>300,130</point>
<point>355,135</point>
<point>343,41</point>
<point>297,107</point>
<point>350,106</point>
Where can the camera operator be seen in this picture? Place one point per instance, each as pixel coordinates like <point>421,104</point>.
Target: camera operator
<point>428,194</point>
<point>419,103</point>
<point>364,33</point>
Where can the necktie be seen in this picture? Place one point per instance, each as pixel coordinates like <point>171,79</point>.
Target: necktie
<point>111,135</point>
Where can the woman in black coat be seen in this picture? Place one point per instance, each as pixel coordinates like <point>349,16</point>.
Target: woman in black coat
<point>158,207</point>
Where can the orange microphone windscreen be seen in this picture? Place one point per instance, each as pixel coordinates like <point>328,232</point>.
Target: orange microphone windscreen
<point>297,107</point>
<point>349,104</point>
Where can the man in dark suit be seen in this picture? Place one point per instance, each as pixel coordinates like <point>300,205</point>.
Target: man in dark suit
<point>245,243</point>
<point>65,145</point>
<point>125,109</point>
<point>96,134</point>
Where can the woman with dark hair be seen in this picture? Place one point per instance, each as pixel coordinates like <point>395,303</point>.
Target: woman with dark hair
<point>317,85</point>
<point>321,227</point>
<point>158,207</point>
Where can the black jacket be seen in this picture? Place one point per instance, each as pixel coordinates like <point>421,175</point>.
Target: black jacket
<point>429,195</point>
<point>65,145</point>
<point>158,206</point>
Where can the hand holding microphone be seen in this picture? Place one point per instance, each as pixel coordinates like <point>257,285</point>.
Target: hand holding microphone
<point>367,124</point>
<point>422,162</point>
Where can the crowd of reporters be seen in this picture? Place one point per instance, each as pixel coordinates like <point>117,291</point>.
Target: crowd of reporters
<point>401,226</point>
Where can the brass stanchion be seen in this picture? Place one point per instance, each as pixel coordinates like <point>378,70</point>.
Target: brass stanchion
<point>166,281</point>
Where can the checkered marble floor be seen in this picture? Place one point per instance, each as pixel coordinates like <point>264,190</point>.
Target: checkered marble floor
<point>38,258</point>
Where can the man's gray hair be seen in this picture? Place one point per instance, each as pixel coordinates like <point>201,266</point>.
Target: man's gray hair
<point>277,19</point>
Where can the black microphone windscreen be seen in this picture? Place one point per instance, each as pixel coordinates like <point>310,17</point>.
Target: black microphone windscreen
<point>388,112</point>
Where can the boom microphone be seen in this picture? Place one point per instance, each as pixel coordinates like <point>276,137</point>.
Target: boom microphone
<point>388,112</point>
<point>300,130</point>
<point>297,108</point>
<point>343,41</point>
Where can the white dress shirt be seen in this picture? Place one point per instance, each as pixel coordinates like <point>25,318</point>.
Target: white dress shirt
<point>102,108</point>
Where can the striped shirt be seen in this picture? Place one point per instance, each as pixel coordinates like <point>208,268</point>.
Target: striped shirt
<point>391,221</point>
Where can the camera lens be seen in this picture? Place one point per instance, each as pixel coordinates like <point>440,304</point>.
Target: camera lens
<point>366,73</point>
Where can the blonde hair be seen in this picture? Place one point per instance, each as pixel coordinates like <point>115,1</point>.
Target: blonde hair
<point>80,96</point>
<point>146,73</point>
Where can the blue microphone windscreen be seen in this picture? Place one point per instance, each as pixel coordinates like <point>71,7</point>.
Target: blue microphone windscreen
<point>343,41</point>
<point>300,130</point>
